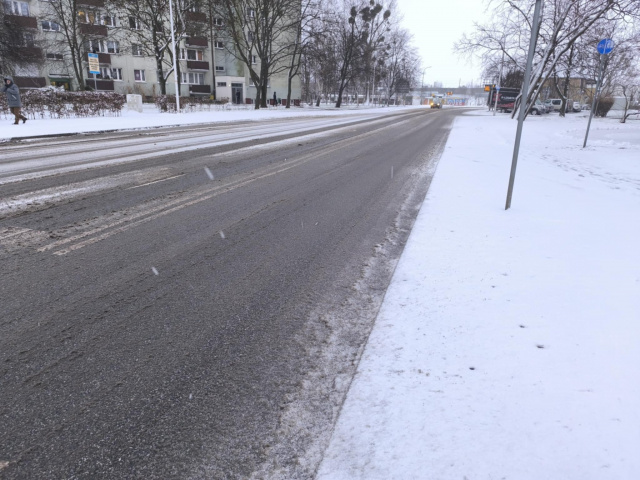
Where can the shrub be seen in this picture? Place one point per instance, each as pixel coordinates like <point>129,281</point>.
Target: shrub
<point>603,106</point>
<point>167,103</point>
<point>52,102</point>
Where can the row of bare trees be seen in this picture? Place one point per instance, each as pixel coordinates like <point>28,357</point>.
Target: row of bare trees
<point>360,48</point>
<point>567,37</point>
<point>333,46</point>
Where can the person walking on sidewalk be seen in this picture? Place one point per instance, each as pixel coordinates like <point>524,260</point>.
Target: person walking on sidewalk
<point>13,99</point>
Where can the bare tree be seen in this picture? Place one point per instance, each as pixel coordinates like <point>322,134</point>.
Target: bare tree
<point>351,39</point>
<point>563,23</point>
<point>307,32</point>
<point>76,33</point>
<point>398,63</point>
<point>18,46</point>
<point>261,33</point>
<point>148,30</point>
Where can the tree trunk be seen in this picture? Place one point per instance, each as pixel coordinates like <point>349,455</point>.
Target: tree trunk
<point>161,78</point>
<point>340,91</point>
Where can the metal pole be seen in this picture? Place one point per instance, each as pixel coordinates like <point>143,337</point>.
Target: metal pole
<point>593,103</point>
<point>523,101</point>
<point>495,107</point>
<point>212,46</point>
<point>175,59</point>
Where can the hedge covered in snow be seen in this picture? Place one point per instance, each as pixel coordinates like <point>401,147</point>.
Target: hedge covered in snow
<point>52,102</point>
<point>167,103</point>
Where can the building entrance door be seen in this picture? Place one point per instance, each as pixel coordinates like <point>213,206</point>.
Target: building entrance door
<point>236,93</point>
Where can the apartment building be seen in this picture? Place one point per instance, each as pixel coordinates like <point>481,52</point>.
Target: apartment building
<point>126,60</point>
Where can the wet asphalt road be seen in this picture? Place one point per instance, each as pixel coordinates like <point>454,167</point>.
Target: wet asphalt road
<point>199,313</point>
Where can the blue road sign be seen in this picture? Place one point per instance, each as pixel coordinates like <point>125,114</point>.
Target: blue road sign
<point>605,46</point>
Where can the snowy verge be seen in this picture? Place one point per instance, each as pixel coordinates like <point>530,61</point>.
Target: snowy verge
<point>507,344</point>
<point>151,118</point>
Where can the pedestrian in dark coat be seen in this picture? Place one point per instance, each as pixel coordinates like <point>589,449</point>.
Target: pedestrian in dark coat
<point>13,99</point>
<point>275,99</point>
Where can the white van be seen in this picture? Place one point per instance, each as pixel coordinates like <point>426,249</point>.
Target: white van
<point>554,104</point>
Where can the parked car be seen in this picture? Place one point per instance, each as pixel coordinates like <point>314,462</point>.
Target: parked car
<point>554,104</point>
<point>577,107</point>
<point>538,108</point>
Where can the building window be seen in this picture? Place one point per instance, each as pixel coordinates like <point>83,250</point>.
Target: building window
<point>220,45</point>
<point>136,50</point>
<point>254,59</point>
<point>250,36</point>
<point>221,84</point>
<point>190,54</point>
<point>116,74</point>
<point>26,39</point>
<point>95,46</point>
<point>109,20</point>
<point>251,13</point>
<point>16,8</point>
<point>54,56</point>
<point>138,75</point>
<point>49,26</point>
<point>218,22</point>
<point>105,73</point>
<point>87,16</point>
<point>193,78</point>
<point>219,68</point>
<point>134,23</point>
<point>113,46</point>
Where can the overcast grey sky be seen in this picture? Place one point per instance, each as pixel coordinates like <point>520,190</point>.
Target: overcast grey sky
<point>436,26</point>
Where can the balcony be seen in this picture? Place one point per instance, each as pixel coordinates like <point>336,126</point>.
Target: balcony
<point>95,30</point>
<point>196,17</point>
<point>30,82</point>
<point>31,53</point>
<point>197,65</point>
<point>91,3</point>
<point>101,85</point>
<point>204,89</point>
<point>197,42</point>
<point>104,58</point>
<point>20,21</point>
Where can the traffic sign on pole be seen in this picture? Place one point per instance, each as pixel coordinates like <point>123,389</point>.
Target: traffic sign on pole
<point>605,46</point>
<point>94,63</point>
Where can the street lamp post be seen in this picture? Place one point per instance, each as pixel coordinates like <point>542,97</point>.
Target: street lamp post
<point>175,59</point>
<point>422,86</point>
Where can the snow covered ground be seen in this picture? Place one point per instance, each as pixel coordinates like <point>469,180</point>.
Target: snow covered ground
<point>150,118</point>
<point>508,343</point>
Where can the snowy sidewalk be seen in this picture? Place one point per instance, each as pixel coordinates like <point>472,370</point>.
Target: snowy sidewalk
<point>151,118</point>
<point>508,345</point>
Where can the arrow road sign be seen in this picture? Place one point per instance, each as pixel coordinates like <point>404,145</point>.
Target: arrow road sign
<point>605,46</point>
